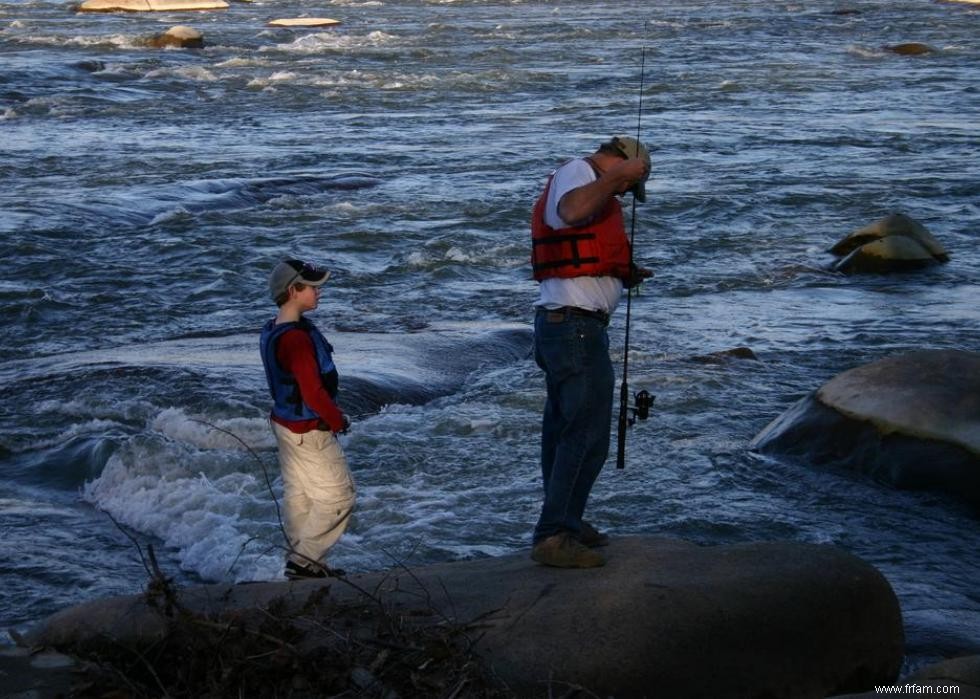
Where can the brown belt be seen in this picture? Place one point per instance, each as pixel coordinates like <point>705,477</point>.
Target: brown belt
<point>556,315</point>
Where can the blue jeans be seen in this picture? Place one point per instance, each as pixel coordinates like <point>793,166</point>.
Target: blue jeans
<point>574,353</point>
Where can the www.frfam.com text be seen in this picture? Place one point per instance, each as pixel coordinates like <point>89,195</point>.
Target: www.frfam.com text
<point>951,689</point>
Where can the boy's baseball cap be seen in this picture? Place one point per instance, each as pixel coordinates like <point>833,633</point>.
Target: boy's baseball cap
<point>289,272</point>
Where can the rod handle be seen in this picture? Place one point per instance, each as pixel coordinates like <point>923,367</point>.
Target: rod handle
<point>622,425</point>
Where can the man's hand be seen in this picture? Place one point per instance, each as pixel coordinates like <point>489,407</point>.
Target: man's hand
<point>628,172</point>
<point>637,275</point>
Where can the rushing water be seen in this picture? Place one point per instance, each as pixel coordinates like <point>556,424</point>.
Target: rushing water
<point>147,194</point>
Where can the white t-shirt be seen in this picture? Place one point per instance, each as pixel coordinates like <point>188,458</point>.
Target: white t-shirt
<point>591,293</point>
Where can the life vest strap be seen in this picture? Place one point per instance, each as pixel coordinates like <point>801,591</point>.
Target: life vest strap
<point>576,260</point>
<point>571,262</point>
<point>556,238</point>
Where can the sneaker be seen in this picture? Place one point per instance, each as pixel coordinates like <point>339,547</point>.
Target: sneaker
<point>295,571</point>
<point>565,551</point>
<point>592,537</point>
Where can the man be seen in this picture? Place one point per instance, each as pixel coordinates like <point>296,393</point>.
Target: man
<point>581,257</point>
<point>318,491</point>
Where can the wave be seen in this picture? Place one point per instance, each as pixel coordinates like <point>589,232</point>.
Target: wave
<point>192,73</point>
<point>119,41</point>
<point>164,204</point>
<point>328,42</point>
<point>178,494</point>
<point>203,482</point>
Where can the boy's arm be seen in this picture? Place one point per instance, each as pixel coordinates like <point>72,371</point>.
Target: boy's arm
<point>297,356</point>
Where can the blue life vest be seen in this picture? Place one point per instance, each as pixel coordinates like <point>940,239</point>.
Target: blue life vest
<point>286,401</point>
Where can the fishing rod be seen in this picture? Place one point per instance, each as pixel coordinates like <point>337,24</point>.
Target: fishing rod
<point>643,399</point>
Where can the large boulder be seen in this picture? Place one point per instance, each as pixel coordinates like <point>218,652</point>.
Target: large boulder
<point>912,421</point>
<point>895,243</point>
<point>779,619</point>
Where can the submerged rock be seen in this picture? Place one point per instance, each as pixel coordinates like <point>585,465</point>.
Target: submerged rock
<point>912,421</point>
<point>777,619</point>
<point>893,244</point>
<point>910,49</point>
<point>180,37</point>
<point>723,356</point>
<point>90,66</point>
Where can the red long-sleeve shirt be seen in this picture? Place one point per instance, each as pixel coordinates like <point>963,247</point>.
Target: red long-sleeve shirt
<point>296,355</point>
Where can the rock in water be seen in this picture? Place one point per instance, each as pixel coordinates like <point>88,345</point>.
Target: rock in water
<point>896,253</point>
<point>304,22</point>
<point>726,355</point>
<point>781,619</point>
<point>912,421</point>
<point>893,224</point>
<point>910,49</point>
<point>150,5</point>
<point>180,37</point>
<point>894,243</point>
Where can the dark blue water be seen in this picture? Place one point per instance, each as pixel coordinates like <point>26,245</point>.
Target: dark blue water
<point>147,193</point>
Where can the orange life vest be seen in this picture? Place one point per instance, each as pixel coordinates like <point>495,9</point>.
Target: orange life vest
<point>597,249</point>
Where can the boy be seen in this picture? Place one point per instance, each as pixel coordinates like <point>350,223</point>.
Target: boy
<point>318,491</point>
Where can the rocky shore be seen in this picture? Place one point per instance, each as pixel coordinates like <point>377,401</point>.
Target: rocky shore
<point>664,618</point>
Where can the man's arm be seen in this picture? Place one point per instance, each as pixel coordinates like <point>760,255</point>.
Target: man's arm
<point>579,205</point>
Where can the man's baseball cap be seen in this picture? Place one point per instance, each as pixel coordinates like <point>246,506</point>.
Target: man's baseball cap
<point>289,272</point>
<point>631,148</point>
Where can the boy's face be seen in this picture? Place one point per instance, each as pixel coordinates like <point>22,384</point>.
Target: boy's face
<point>307,297</point>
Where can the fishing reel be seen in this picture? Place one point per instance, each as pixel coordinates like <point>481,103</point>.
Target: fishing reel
<point>642,402</point>
<point>628,415</point>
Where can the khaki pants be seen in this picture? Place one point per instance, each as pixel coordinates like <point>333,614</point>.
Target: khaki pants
<point>318,491</point>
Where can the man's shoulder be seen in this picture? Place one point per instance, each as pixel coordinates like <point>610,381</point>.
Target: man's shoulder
<point>575,166</point>
<point>574,173</point>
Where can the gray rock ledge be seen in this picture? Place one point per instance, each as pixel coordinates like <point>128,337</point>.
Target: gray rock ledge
<point>662,618</point>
